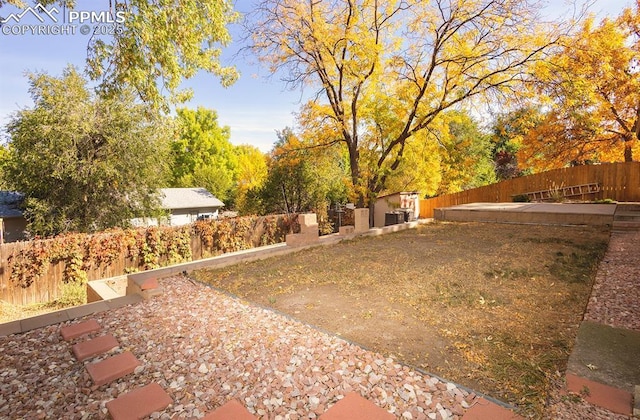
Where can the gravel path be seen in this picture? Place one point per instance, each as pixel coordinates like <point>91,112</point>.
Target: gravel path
<point>616,294</point>
<point>204,348</point>
<point>614,302</point>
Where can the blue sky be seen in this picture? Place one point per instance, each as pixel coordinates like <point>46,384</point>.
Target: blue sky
<point>254,107</point>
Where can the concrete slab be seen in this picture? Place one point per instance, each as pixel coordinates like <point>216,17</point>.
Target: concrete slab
<point>346,230</point>
<point>536,213</point>
<point>361,218</point>
<point>606,355</point>
<point>571,208</point>
<point>576,208</point>
<point>492,206</point>
<point>98,290</point>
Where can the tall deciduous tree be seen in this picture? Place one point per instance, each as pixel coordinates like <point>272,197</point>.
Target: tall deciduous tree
<point>388,69</point>
<point>594,86</point>
<point>155,44</point>
<point>251,174</point>
<point>84,162</point>
<point>301,179</point>
<point>203,156</point>
<point>510,131</point>
<point>163,41</point>
<point>466,154</point>
<point>4,159</point>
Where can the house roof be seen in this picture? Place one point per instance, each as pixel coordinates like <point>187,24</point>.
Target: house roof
<point>188,198</point>
<point>398,193</point>
<point>10,204</point>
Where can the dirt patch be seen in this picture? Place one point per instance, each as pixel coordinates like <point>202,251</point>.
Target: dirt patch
<point>406,338</point>
<point>493,307</point>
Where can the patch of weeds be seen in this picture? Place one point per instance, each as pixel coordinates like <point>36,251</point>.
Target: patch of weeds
<point>585,391</point>
<point>556,193</point>
<point>522,378</point>
<point>577,266</point>
<point>550,240</point>
<point>367,314</point>
<point>454,294</point>
<point>72,294</point>
<point>521,198</point>
<point>572,398</point>
<point>523,365</point>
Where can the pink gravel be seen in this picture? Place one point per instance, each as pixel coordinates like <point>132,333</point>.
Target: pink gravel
<point>205,348</point>
<point>615,299</point>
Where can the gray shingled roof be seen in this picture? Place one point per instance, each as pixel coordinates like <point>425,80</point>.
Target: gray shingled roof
<point>10,204</point>
<point>188,198</point>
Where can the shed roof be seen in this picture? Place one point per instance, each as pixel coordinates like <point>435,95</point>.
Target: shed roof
<point>188,198</point>
<point>399,193</point>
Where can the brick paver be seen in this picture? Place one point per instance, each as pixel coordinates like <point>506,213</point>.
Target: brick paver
<point>231,410</point>
<point>613,399</point>
<point>78,330</point>
<point>139,403</point>
<point>355,407</point>
<point>112,368</point>
<point>486,410</point>
<point>90,348</point>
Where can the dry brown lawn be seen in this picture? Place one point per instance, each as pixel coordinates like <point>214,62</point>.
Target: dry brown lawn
<point>494,307</point>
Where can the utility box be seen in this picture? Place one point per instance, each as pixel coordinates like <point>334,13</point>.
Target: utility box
<point>393,218</point>
<point>407,203</point>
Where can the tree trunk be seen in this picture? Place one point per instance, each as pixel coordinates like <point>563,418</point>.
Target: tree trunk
<point>354,156</point>
<point>628,148</point>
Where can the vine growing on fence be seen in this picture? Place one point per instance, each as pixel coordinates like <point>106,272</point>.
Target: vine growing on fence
<point>144,248</point>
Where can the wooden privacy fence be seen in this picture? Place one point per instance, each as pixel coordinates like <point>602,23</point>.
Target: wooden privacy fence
<point>41,267</point>
<point>616,181</point>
